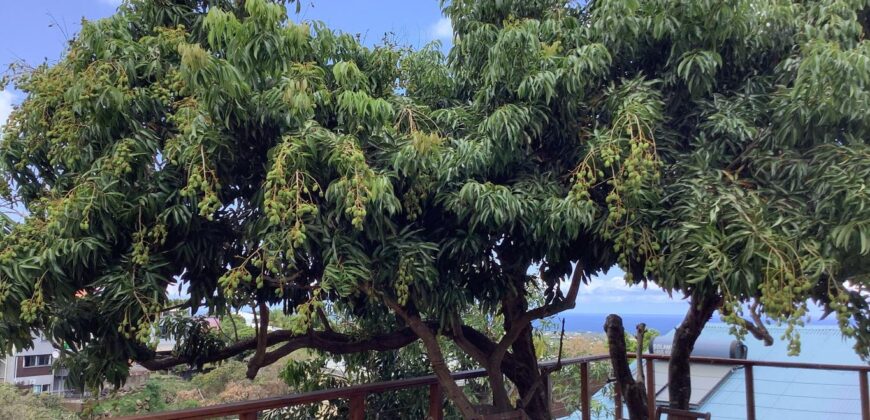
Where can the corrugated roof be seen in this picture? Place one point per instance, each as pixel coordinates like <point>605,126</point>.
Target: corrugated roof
<point>796,394</point>
<point>705,380</point>
<point>793,394</point>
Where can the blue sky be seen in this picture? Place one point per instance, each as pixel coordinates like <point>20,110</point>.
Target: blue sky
<point>37,30</point>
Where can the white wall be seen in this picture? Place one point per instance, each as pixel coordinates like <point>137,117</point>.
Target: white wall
<point>40,347</point>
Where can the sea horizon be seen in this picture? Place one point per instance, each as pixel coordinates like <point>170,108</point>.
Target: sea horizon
<point>664,323</point>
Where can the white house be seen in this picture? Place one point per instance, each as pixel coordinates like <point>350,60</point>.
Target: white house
<point>33,368</point>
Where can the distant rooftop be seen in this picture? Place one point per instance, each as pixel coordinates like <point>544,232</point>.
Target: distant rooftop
<point>793,394</point>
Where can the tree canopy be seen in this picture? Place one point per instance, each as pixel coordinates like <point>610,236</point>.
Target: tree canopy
<point>715,149</point>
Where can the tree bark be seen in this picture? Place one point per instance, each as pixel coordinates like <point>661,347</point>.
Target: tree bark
<point>641,331</point>
<point>528,378</point>
<point>500,400</point>
<point>259,358</point>
<point>436,360</point>
<point>633,392</point>
<point>679,372</point>
<point>332,342</point>
<point>527,375</point>
<point>518,336</point>
<point>756,325</point>
<point>442,371</point>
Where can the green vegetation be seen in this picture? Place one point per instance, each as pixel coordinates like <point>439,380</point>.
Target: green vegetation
<point>234,328</point>
<point>648,336</point>
<point>220,384</point>
<point>15,404</point>
<point>383,196</point>
<point>150,398</point>
<point>215,380</point>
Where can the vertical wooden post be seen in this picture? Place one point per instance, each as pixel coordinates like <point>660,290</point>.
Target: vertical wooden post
<point>548,386</point>
<point>750,392</point>
<point>585,404</point>
<point>650,387</point>
<point>252,415</point>
<point>865,395</point>
<point>436,411</point>
<point>617,401</point>
<point>358,407</point>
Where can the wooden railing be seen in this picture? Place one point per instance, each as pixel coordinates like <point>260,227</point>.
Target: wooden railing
<point>356,394</point>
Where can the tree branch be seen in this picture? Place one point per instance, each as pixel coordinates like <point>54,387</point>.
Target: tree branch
<point>436,359</point>
<point>458,336</point>
<point>185,304</point>
<point>641,331</point>
<point>518,325</point>
<point>332,342</point>
<point>634,392</point>
<point>324,319</point>
<point>701,308</point>
<point>318,340</point>
<point>483,344</point>
<point>756,326</point>
<point>256,362</point>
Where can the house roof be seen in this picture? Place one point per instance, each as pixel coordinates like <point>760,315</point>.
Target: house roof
<point>706,379</point>
<point>795,394</point>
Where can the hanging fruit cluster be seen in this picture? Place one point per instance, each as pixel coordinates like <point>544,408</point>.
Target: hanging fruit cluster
<point>403,280</point>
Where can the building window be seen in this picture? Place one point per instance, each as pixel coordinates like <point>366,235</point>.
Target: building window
<point>38,360</point>
<point>38,389</point>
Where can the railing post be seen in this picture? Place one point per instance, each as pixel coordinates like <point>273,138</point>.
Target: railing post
<point>617,401</point>
<point>865,395</point>
<point>585,404</point>
<point>358,407</point>
<point>436,411</point>
<point>548,386</point>
<point>252,415</point>
<point>650,386</point>
<point>750,392</point>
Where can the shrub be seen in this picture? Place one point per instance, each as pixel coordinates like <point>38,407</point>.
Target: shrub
<point>213,382</point>
<point>15,404</point>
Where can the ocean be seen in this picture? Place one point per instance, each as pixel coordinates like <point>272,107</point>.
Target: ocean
<point>583,322</point>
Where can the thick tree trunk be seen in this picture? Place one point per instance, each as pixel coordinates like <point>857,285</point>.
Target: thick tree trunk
<point>679,375</point>
<point>527,375</point>
<point>528,379</point>
<point>632,391</point>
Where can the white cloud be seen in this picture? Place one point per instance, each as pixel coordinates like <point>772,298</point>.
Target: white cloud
<point>614,290</point>
<point>7,98</point>
<point>442,29</point>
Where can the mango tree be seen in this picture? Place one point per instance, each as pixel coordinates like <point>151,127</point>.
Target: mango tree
<point>258,162</point>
